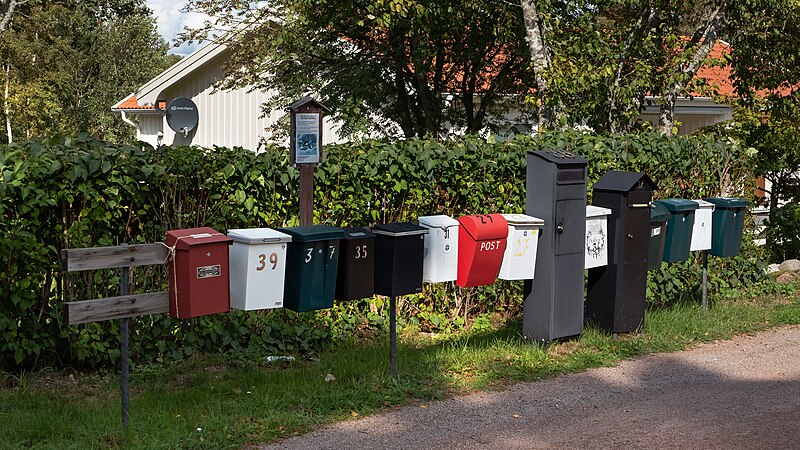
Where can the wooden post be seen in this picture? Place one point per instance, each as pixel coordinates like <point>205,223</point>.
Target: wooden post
<point>306,194</point>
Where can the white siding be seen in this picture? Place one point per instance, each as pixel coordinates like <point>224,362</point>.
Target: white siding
<point>227,118</point>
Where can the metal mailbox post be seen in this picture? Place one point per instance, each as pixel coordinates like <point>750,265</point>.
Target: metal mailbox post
<point>312,260</point>
<point>399,251</point>
<point>354,279</point>
<point>658,235</point>
<point>596,236</point>
<point>198,272</point>
<point>519,259</point>
<point>616,293</point>
<point>257,267</point>
<point>556,193</point>
<point>440,262</point>
<point>481,245</point>
<point>701,231</point>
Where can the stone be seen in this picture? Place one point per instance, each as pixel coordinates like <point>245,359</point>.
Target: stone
<point>772,268</point>
<point>791,265</point>
<point>788,277</point>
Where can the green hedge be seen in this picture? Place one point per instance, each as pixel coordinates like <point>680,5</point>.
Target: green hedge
<point>73,193</point>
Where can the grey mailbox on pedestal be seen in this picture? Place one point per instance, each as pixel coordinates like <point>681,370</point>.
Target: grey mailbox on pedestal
<point>556,193</point>
<point>616,292</point>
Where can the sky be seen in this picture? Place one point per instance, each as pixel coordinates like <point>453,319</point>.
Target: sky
<point>171,21</point>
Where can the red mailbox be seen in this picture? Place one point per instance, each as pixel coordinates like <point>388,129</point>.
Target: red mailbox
<point>481,245</point>
<point>198,272</point>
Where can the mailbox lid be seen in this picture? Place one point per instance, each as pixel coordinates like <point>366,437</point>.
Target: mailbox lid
<point>728,203</point>
<point>560,157</point>
<point>485,226</point>
<point>399,229</point>
<point>356,233</point>
<point>254,236</point>
<point>596,211</point>
<point>678,204</point>
<point>659,213</point>
<point>313,233</point>
<point>440,221</point>
<point>702,204</point>
<point>619,181</point>
<point>188,237</point>
<point>523,221</point>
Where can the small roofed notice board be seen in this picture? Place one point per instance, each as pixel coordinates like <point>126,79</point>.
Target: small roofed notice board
<point>306,131</point>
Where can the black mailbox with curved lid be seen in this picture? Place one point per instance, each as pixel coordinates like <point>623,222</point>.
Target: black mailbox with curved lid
<point>354,278</point>
<point>399,251</point>
<point>615,299</point>
<point>556,193</point>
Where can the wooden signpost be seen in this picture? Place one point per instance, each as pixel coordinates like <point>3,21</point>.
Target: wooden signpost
<point>305,149</point>
<point>122,307</point>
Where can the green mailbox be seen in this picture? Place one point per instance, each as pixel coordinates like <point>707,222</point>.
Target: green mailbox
<point>727,224</point>
<point>679,228</point>
<point>658,234</point>
<point>312,259</point>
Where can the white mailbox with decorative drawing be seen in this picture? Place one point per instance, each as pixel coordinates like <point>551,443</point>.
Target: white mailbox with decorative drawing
<point>440,261</point>
<point>596,236</point>
<point>519,259</point>
<point>257,268</point>
<point>701,230</point>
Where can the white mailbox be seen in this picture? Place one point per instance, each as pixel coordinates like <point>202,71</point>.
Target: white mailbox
<point>701,231</point>
<point>440,262</point>
<point>257,268</point>
<point>519,259</point>
<point>596,236</point>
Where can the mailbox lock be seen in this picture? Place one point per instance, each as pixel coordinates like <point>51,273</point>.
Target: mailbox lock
<point>560,228</point>
<point>629,236</point>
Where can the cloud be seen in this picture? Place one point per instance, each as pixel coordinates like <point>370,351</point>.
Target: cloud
<point>171,21</point>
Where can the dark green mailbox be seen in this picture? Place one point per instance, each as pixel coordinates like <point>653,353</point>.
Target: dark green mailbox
<point>659,216</point>
<point>311,262</point>
<point>727,224</point>
<point>679,228</point>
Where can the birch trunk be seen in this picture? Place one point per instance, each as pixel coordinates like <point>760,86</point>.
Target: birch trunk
<point>6,108</point>
<point>701,43</point>
<point>540,56</point>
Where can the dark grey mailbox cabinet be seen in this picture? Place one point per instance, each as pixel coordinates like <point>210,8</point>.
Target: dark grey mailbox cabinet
<point>615,298</point>
<point>556,193</point>
<point>354,279</point>
<point>399,249</point>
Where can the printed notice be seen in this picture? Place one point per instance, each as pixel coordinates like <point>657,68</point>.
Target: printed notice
<point>307,138</point>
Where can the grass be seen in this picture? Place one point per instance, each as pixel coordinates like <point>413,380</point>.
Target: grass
<point>219,402</point>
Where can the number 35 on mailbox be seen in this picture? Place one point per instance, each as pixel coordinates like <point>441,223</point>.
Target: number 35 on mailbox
<point>258,268</point>
<point>481,245</point>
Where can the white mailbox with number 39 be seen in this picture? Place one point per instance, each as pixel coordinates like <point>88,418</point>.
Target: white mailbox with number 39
<point>519,260</point>
<point>257,268</point>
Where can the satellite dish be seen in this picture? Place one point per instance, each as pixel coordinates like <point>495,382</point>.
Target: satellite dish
<point>182,115</point>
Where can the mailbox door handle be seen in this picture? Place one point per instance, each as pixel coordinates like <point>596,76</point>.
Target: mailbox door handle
<point>630,236</point>
<point>560,228</point>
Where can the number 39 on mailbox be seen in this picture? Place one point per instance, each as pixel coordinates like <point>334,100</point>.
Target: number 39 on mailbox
<point>481,245</point>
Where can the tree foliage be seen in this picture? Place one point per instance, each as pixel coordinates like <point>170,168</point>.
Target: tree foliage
<point>69,61</point>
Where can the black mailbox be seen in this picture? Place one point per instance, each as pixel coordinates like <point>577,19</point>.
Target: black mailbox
<point>616,293</point>
<point>354,278</point>
<point>399,250</point>
<point>556,193</point>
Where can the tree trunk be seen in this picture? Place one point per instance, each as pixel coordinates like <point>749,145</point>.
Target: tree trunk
<point>540,56</point>
<point>6,108</point>
<point>7,8</point>
<point>701,43</point>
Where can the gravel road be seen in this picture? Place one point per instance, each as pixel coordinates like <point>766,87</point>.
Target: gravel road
<point>741,393</point>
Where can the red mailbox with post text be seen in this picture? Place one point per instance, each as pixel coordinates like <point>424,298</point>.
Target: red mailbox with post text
<point>481,245</point>
<point>198,272</point>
